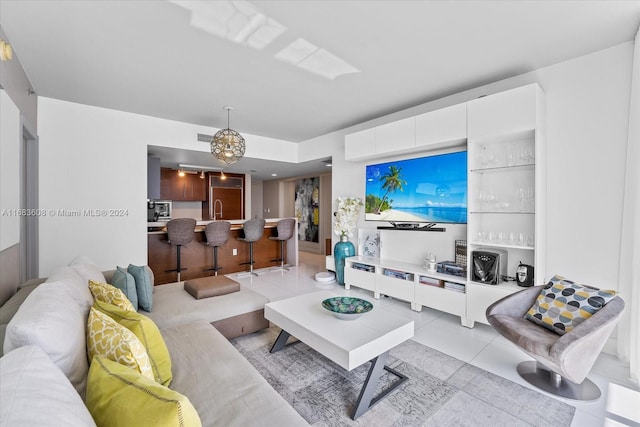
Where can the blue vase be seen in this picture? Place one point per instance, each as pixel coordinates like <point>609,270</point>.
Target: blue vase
<point>343,249</point>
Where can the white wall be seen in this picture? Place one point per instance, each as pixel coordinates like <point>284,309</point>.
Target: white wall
<point>92,158</point>
<point>10,171</point>
<point>270,199</point>
<point>257,199</point>
<point>95,158</point>
<point>287,191</point>
<point>587,118</point>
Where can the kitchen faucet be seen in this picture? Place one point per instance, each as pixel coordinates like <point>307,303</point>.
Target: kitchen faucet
<point>215,213</point>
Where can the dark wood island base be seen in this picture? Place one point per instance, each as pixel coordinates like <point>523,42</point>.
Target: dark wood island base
<point>197,257</point>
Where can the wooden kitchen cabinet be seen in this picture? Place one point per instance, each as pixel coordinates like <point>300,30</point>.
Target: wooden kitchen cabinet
<point>166,181</point>
<point>182,188</point>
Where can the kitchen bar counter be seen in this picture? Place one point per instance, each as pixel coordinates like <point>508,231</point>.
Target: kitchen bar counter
<point>197,257</point>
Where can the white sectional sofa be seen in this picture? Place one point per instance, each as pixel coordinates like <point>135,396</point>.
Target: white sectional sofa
<point>43,377</point>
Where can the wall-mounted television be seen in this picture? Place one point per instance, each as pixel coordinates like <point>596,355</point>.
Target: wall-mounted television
<point>429,189</point>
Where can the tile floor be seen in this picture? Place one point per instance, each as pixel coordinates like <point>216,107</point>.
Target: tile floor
<point>480,346</point>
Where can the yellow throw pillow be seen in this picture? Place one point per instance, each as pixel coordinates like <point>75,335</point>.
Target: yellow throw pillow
<point>119,396</point>
<point>148,333</point>
<point>111,294</point>
<point>105,337</point>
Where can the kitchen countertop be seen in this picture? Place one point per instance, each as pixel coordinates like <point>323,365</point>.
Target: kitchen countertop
<point>200,225</point>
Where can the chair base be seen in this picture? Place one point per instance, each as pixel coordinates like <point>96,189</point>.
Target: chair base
<point>175,270</point>
<point>541,377</point>
<point>280,260</point>
<point>284,267</point>
<point>214,269</point>
<point>243,274</point>
<point>178,268</point>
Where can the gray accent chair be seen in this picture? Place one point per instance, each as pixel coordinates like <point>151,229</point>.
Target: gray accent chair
<point>285,229</point>
<point>217,234</point>
<point>180,232</point>
<point>562,362</point>
<point>253,230</point>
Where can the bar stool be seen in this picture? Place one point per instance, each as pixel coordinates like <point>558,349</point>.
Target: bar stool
<point>217,234</point>
<point>253,231</point>
<point>285,232</point>
<point>180,232</point>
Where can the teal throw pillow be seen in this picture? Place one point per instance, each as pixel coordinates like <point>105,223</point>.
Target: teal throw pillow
<point>144,285</point>
<point>127,284</point>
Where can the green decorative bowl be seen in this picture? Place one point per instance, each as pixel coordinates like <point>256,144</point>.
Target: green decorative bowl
<point>347,308</point>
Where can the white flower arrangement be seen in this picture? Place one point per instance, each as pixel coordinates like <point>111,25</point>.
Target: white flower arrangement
<point>347,215</point>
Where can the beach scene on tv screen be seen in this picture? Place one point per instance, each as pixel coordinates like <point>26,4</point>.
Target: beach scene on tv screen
<point>425,189</point>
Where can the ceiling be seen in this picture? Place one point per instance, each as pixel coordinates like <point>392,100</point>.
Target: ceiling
<point>263,170</point>
<point>294,70</point>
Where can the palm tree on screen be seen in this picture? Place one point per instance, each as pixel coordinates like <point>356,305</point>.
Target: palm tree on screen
<point>393,182</point>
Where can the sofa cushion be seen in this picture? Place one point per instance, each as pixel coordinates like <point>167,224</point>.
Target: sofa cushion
<point>76,285</point>
<point>10,308</point>
<point>51,319</point>
<point>144,285</point>
<point>108,293</point>
<point>211,286</point>
<point>229,392</point>
<point>119,396</point>
<point>148,333</point>
<point>35,392</point>
<point>87,269</point>
<point>562,305</point>
<point>105,337</point>
<point>127,284</point>
<point>174,306</point>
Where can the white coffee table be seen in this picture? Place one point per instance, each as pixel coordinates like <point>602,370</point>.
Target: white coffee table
<point>349,343</point>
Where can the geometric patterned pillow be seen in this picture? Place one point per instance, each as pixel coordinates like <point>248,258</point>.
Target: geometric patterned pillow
<point>107,338</point>
<point>108,293</point>
<point>148,334</point>
<point>562,305</point>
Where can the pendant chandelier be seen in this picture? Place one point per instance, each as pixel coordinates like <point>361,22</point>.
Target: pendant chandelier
<point>227,145</point>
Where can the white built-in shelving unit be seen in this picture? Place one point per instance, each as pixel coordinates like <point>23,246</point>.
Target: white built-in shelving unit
<point>504,134</point>
<point>506,188</point>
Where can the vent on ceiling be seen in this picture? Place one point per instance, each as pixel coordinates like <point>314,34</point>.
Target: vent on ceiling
<point>203,137</point>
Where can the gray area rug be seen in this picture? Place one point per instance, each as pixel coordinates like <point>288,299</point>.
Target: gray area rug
<point>441,390</point>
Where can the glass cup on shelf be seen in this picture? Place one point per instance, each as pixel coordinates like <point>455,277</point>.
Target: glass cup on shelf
<point>521,195</point>
<point>530,199</point>
<point>526,155</point>
<point>510,156</point>
<point>487,157</point>
<point>482,200</point>
<point>530,241</point>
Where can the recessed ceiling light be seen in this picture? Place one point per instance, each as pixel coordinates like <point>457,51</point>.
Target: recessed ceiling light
<point>274,174</point>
